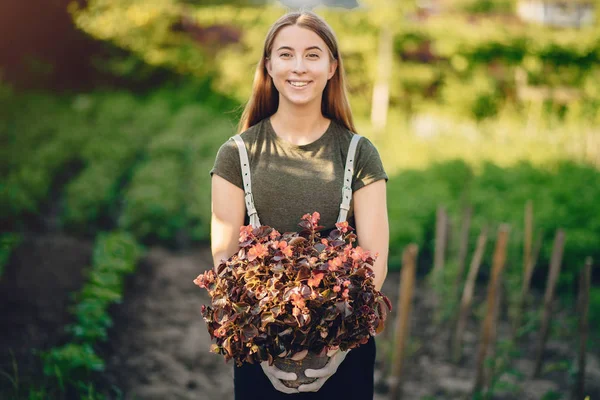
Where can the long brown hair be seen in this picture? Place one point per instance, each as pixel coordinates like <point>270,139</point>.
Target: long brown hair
<point>265,98</point>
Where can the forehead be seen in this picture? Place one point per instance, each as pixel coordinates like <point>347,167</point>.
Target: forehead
<point>298,38</point>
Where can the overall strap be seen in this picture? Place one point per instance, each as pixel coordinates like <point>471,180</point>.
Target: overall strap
<point>248,198</point>
<point>348,173</point>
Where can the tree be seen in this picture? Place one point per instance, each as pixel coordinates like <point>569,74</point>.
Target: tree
<point>161,33</point>
<point>388,16</point>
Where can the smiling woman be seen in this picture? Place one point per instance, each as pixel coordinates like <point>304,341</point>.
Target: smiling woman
<point>298,144</point>
<point>300,68</point>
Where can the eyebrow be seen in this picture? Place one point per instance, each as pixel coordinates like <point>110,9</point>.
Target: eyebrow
<point>308,48</point>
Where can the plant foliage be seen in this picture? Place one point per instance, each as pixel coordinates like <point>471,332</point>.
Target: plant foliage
<point>286,294</point>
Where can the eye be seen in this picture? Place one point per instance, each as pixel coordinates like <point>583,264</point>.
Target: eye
<point>313,55</point>
<point>285,55</point>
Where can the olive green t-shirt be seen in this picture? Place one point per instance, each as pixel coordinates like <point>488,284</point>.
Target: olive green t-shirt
<point>289,180</point>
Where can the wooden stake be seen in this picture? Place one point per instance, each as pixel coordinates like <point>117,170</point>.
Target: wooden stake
<point>467,295</point>
<point>528,236</point>
<point>464,245</point>
<point>489,372</point>
<point>450,238</point>
<point>555,263</point>
<point>488,323</point>
<point>441,235</point>
<point>526,285</point>
<point>407,283</point>
<point>435,276</point>
<point>584,308</point>
<point>532,263</point>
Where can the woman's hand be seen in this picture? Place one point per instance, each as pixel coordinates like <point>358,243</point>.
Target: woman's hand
<point>275,375</point>
<point>324,373</point>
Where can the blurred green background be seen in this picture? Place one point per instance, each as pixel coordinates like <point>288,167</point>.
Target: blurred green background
<point>111,113</point>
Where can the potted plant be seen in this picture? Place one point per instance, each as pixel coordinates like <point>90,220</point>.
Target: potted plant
<point>290,298</point>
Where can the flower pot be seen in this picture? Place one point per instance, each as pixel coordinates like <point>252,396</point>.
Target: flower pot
<point>311,361</point>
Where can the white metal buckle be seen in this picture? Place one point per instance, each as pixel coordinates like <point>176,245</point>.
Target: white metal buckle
<point>249,199</point>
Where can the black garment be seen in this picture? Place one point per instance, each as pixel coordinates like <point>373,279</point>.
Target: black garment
<point>352,381</point>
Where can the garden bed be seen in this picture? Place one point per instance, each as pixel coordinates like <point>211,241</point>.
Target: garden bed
<point>34,298</point>
<point>158,347</point>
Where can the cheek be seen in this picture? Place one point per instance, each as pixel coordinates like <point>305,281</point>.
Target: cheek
<point>325,69</point>
<point>278,67</point>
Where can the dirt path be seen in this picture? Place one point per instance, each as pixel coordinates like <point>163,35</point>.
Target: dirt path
<point>159,347</point>
<point>159,344</point>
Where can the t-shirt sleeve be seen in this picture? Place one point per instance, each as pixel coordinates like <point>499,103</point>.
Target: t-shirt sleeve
<point>368,167</point>
<point>227,164</point>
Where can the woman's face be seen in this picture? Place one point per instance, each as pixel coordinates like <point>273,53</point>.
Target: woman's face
<point>300,65</point>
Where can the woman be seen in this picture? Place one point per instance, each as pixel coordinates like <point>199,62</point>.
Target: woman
<point>296,129</point>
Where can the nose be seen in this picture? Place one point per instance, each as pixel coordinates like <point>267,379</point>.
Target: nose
<point>299,66</point>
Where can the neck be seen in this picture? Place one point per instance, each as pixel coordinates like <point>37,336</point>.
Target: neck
<point>299,125</point>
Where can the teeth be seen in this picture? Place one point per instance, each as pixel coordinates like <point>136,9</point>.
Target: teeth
<point>298,84</point>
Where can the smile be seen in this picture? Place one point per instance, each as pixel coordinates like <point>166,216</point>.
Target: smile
<point>299,84</point>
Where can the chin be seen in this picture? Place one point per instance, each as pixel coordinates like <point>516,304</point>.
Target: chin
<point>300,101</point>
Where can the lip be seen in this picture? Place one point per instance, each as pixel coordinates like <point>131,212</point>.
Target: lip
<point>299,88</point>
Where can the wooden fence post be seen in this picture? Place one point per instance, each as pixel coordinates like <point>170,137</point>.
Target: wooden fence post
<point>491,353</point>
<point>488,325</point>
<point>464,246</point>
<point>434,279</point>
<point>555,263</point>
<point>441,237</point>
<point>467,295</point>
<point>407,284</point>
<point>526,285</point>
<point>528,235</point>
<point>583,310</point>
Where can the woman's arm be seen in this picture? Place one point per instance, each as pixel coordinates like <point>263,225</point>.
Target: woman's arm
<point>228,211</point>
<point>372,226</point>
